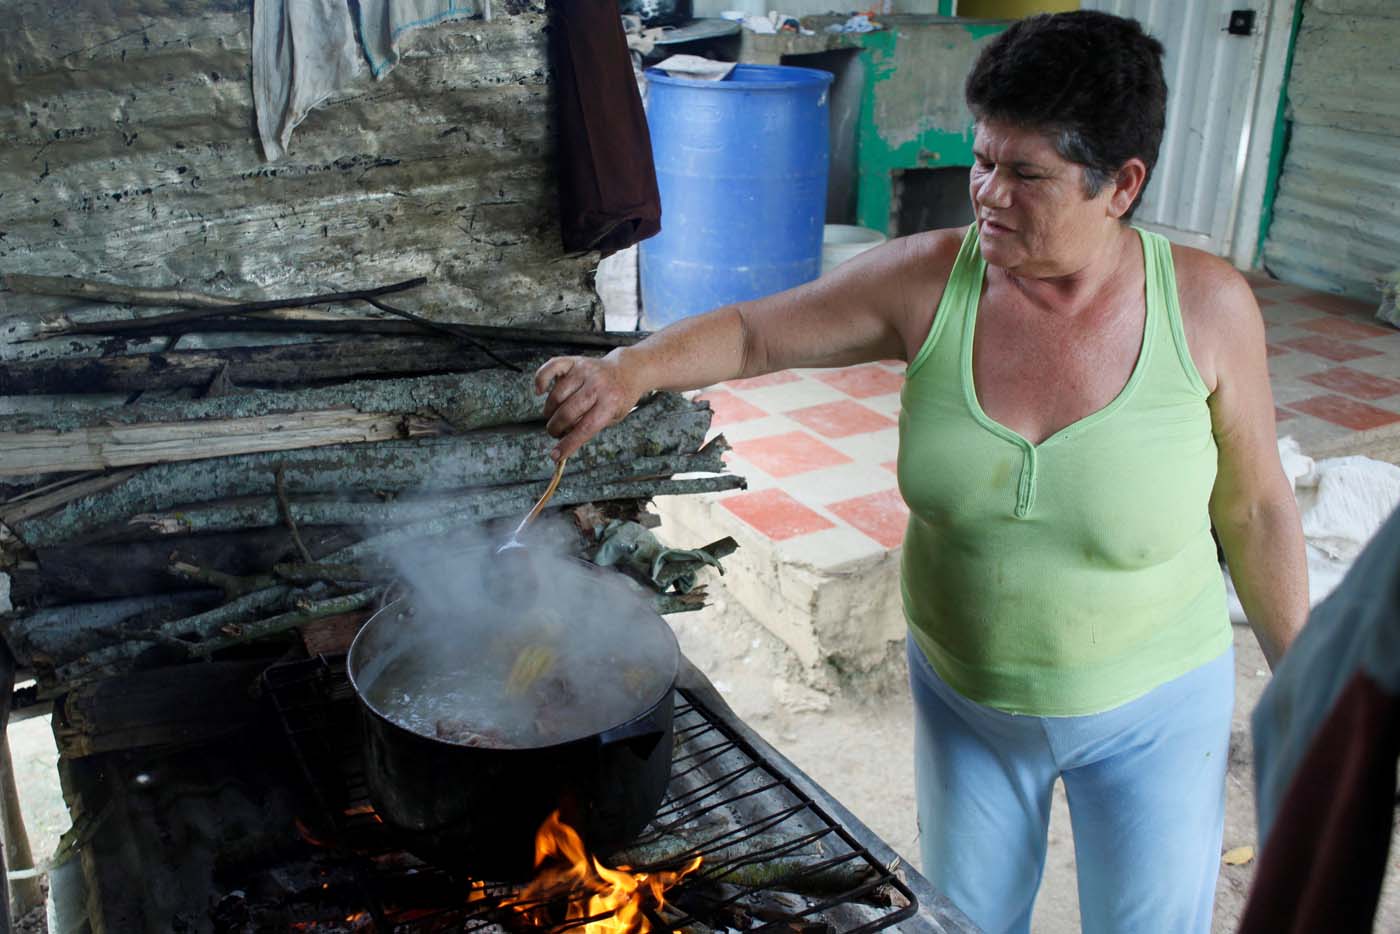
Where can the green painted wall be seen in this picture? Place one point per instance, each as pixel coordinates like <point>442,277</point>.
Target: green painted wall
<point>912,111</point>
<point>1013,9</point>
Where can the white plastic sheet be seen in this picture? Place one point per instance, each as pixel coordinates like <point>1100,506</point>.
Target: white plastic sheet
<point>1342,502</point>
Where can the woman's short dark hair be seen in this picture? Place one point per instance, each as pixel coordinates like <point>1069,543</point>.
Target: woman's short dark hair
<point>1092,80</point>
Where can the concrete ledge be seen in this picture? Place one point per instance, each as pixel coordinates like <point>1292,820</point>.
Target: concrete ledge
<point>832,597</point>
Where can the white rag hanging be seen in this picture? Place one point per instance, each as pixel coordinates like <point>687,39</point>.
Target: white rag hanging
<point>303,51</point>
<point>384,22</point>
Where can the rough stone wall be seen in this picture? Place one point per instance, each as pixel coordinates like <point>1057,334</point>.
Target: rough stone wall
<point>128,151</point>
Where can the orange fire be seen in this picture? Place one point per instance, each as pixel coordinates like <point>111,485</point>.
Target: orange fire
<point>616,897</point>
<point>364,809</point>
<point>305,833</point>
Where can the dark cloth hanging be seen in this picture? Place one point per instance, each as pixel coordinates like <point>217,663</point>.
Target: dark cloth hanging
<point>607,183</point>
<point>1326,740</point>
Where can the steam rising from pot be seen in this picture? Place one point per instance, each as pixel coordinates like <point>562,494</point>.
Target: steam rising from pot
<point>526,648</point>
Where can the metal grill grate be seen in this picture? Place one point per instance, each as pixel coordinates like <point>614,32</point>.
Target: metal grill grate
<point>761,839</point>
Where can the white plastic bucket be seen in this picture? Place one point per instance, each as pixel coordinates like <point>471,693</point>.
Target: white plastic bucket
<point>840,242</point>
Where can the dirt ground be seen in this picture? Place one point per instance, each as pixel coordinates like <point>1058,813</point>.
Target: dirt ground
<point>860,749</point>
<point>857,747</point>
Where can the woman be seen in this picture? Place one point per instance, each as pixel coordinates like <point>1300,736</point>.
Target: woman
<point>1082,400</point>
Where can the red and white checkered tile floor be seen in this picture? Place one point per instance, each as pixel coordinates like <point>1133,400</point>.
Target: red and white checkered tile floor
<point>1335,369</point>
<point>818,446</point>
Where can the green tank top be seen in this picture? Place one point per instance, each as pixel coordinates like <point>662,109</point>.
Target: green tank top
<point>1071,576</point>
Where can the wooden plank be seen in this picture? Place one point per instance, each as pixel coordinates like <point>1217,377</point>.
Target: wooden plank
<point>181,704</point>
<point>27,507</point>
<point>332,636</point>
<point>320,323</point>
<point>643,477</point>
<point>100,448</point>
<point>465,401</point>
<point>96,291</point>
<point>665,424</point>
<point>289,365</point>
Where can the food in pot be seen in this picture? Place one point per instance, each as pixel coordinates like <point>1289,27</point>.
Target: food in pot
<point>534,662</point>
<point>462,664</point>
<point>526,687</point>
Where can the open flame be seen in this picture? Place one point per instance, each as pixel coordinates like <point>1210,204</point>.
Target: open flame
<point>616,897</point>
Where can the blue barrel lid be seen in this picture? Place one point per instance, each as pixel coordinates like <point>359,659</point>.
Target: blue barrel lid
<point>751,78</point>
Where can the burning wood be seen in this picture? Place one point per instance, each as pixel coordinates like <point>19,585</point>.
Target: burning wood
<point>617,901</point>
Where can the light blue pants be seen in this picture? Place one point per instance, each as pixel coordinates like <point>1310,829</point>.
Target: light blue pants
<point>1146,789</point>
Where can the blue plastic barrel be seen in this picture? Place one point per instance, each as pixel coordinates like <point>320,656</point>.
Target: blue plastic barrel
<point>741,165</point>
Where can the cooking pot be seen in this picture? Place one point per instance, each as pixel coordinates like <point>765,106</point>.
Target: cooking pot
<point>465,769</point>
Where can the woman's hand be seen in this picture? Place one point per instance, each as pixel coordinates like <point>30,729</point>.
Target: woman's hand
<point>586,395</point>
<point>859,313</point>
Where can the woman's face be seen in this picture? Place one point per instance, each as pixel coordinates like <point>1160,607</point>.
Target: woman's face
<point>1032,215</point>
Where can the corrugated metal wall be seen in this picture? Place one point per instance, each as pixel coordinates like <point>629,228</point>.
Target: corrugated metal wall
<point>1336,220</point>
<point>1209,96</point>
<point>128,152</point>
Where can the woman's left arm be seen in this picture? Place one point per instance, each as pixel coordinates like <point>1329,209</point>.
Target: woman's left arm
<point>1252,504</point>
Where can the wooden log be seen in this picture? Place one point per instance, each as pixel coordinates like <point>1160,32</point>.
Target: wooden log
<point>7,857</point>
<point>281,323</point>
<point>95,290</point>
<point>92,290</point>
<point>441,525</point>
<point>65,574</point>
<point>446,330</point>
<point>238,622</point>
<point>25,892</point>
<point>669,424</point>
<point>464,509</point>
<point>229,632</point>
<point>179,636</point>
<point>643,478</point>
<point>176,705</point>
<point>52,496</point>
<point>45,638</point>
<point>16,489</point>
<point>20,892</point>
<point>465,401</point>
<point>41,452</point>
<point>305,611</point>
<point>363,571</point>
<point>333,635</point>
<point>667,603</point>
<point>282,365</point>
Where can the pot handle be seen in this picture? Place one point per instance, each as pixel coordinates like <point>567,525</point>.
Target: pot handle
<point>642,734</point>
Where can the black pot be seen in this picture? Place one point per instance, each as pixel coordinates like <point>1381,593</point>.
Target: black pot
<point>476,807</point>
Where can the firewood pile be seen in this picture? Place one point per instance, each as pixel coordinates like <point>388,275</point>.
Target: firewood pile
<point>177,484</point>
